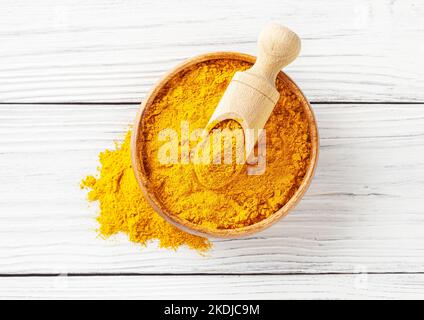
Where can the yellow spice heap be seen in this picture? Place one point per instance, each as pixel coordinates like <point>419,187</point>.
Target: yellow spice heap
<point>192,97</point>
<point>123,207</point>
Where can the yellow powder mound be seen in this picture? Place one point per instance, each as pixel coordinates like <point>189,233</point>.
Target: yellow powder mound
<point>192,97</point>
<point>123,207</point>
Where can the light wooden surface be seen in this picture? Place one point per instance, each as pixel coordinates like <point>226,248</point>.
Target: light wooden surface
<point>362,286</point>
<point>364,208</point>
<point>361,219</point>
<point>114,50</point>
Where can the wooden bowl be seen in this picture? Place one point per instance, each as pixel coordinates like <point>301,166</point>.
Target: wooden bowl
<point>142,178</point>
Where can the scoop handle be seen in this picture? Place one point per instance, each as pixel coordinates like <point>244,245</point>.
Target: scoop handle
<point>277,47</point>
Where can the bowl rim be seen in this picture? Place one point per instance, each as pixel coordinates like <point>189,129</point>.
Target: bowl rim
<point>148,190</point>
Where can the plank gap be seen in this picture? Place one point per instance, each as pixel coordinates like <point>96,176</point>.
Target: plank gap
<point>137,274</point>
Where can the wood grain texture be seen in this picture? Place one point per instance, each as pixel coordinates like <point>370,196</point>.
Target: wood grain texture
<point>359,286</point>
<point>363,212</point>
<point>365,50</point>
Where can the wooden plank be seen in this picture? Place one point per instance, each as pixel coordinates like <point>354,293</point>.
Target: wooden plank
<point>365,50</point>
<point>361,286</point>
<point>363,212</point>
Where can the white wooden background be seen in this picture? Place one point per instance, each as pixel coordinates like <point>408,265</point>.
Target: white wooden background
<point>71,76</point>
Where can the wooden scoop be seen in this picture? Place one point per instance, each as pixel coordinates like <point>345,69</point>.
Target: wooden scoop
<point>251,95</point>
<point>250,98</point>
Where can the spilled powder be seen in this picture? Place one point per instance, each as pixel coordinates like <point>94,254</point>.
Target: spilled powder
<point>123,207</point>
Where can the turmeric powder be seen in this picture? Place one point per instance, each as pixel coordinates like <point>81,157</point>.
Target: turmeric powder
<point>123,207</point>
<point>192,96</point>
<point>225,156</point>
